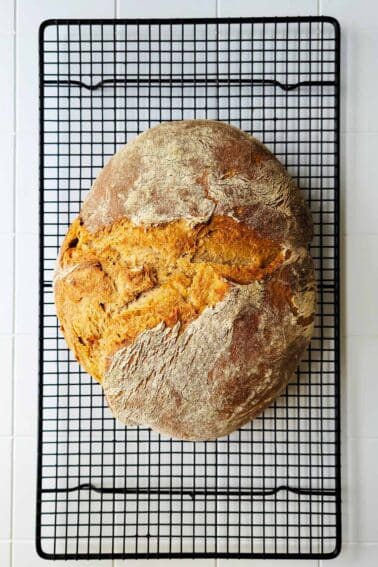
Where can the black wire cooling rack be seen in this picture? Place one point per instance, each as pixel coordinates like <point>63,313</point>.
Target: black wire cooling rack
<point>271,489</point>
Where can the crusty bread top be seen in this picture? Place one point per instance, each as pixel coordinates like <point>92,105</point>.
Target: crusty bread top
<point>114,284</point>
<point>186,286</point>
<point>193,169</point>
<point>225,367</point>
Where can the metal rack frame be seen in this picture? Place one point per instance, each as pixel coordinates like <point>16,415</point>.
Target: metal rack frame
<point>271,489</point>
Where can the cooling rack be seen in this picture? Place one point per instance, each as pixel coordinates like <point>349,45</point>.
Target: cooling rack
<point>271,489</point>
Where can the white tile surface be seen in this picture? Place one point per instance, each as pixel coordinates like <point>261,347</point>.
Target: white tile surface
<point>25,384</point>
<point>356,17</point>
<point>6,347</point>
<point>7,16</point>
<point>25,555</point>
<point>266,563</point>
<point>6,303</point>
<point>28,19</point>
<point>5,553</point>
<point>27,185</point>
<point>361,272</point>
<point>167,563</point>
<point>362,387</point>
<point>27,83</point>
<point>7,190</point>
<point>355,555</point>
<point>7,95</point>
<point>166,9</point>
<point>246,8</point>
<point>359,80</point>
<point>24,487</point>
<point>359,198</point>
<point>360,495</point>
<point>26,316</point>
<point>5,487</point>
<point>30,14</point>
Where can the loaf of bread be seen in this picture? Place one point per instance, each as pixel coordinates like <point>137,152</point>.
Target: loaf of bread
<point>185,285</point>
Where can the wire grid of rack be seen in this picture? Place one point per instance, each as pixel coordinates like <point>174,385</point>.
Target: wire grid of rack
<point>271,489</point>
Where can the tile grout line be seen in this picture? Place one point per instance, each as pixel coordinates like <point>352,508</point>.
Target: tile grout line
<point>345,336</point>
<point>359,336</point>
<point>349,234</point>
<point>355,131</point>
<point>13,410</point>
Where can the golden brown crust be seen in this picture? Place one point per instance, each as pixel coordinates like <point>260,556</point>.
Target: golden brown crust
<point>186,286</point>
<point>226,367</point>
<point>122,280</point>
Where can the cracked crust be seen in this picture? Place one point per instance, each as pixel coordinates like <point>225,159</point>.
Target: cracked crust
<point>186,286</point>
<point>114,284</point>
<point>241,354</point>
<point>193,169</point>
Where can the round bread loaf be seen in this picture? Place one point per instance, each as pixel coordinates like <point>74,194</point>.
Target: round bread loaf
<point>185,285</point>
